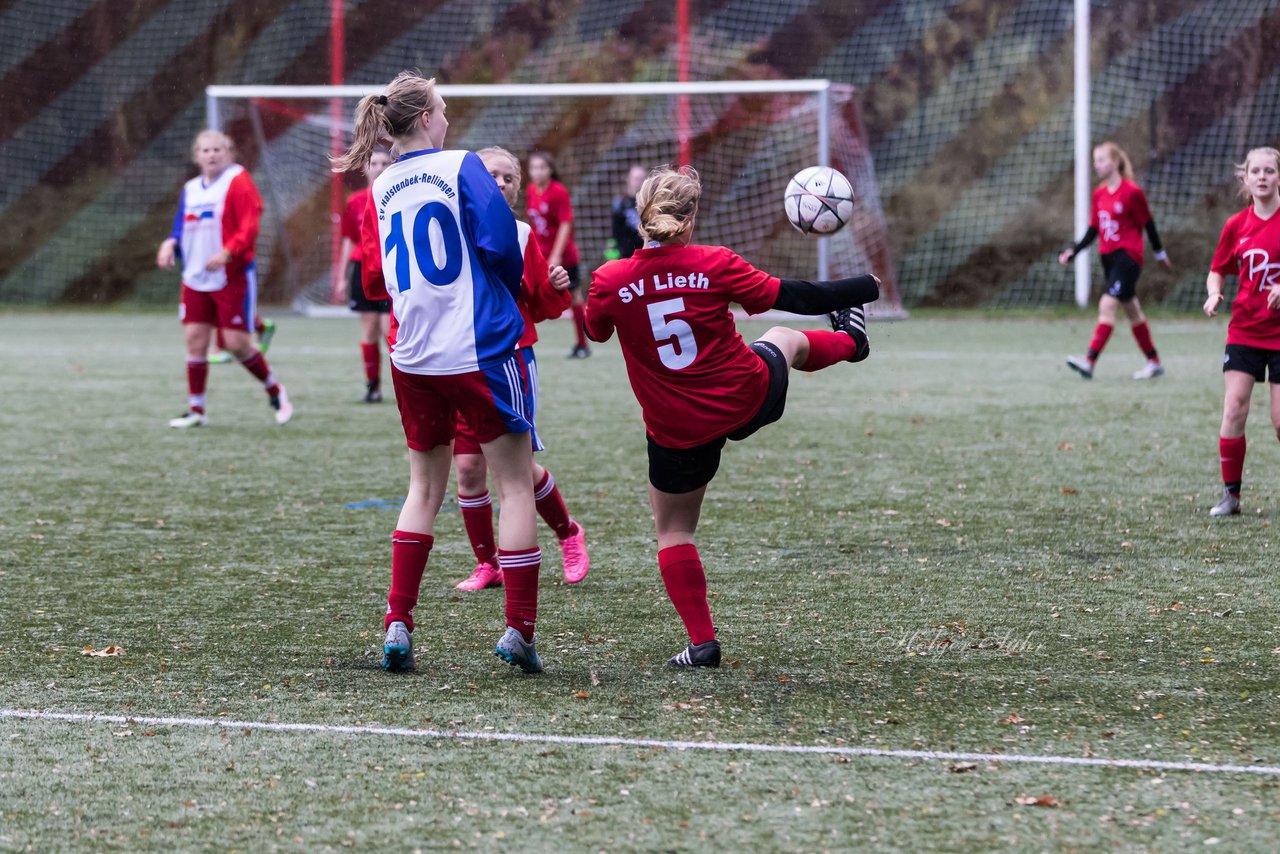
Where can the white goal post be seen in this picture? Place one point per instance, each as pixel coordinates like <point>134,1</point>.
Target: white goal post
<point>745,132</point>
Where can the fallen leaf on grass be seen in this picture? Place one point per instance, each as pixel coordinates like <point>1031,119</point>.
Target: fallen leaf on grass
<point>1013,718</point>
<point>1068,490</point>
<point>1042,801</point>
<point>963,767</point>
<point>581,695</point>
<point>102,653</point>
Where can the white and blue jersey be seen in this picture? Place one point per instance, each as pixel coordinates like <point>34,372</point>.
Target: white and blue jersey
<point>452,263</point>
<point>223,214</point>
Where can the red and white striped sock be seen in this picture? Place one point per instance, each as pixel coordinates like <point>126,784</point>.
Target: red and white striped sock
<point>520,581</point>
<point>551,506</point>
<point>257,365</point>
<point>409,554</point>
<point>477,518</point>
<point>197,380</point>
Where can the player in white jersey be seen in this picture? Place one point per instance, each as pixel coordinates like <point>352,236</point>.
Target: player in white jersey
<point>214,235</point>
<point>442,240</point>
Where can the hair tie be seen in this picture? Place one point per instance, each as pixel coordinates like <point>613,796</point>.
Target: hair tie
<point>382,100</point>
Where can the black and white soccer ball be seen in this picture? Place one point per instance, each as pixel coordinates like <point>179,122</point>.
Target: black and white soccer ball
<point>819,200</point>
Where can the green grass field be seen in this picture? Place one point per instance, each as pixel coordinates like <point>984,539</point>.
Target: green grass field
<point>955,546</point>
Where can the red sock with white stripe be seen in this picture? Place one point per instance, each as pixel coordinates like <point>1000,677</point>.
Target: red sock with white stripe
<point>477,518</point>
<point>520,581</point>
<point>1101,333</point>
<point>197,380</point>
<point>580,324</point>
<point>551,506</point>
<point>1142,334</point>
<point>686,584</point>
<point>1231,454</point>
<point>372,361</point>
<point>409,553</point>
<point>257,365</point>
<point>827,348</point>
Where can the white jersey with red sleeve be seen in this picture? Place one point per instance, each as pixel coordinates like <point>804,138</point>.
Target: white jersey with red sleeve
<point>694,377</point>
<point>223,214</point>
<point>539,301</point>
<point>450,260</point>
<point>1249,248</point>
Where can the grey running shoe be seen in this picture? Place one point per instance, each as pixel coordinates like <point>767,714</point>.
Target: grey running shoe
<point>853,322</point>
<point>1149,371</point>
<point>1081,366</point>
<point>515,650</point>
<point>397,650</point>
<point>1228,506</point>
<point>698,655</point>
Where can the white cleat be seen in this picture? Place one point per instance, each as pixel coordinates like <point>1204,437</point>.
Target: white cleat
<point>188,420</point>
<point>1081,365</point>
<point>284,409</point>
<point>1149,371</point>
<point>1228,506</point>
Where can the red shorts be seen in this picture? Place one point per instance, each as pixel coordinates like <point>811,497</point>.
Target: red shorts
<point>465,440</point>
<point>233,307</point>
<point>494,402</point>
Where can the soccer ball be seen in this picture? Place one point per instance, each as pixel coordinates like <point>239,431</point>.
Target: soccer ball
<point>819,200</point>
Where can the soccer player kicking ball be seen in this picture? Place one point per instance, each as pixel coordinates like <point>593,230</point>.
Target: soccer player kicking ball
<point>216,229</point>
<point>1117,218</point>
<point>544,294</point>
<point>696,381</point>
<point>440,240</point>
<point>1249,248</point>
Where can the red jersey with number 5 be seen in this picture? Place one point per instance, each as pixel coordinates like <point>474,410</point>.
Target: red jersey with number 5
<point>694,377</point>
<point>1250,248</point>
<point>1120,218</point>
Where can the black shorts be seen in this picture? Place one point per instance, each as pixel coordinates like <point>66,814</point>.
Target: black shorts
<point>359,302</point>
<point>681,470</point>
<point>575,276</point>
<point>1255,361</point>
<point>1121,273</point>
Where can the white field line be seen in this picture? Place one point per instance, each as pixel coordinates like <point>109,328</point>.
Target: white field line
<point>617,741</point>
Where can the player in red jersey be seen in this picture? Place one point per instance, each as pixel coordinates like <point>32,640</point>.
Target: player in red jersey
<point>543,295</point>
<point>441,242</point>
<point>551,215</point>
<point>214,235</point>
<point>696,381</point>
<point>375,315</point>
<point>1119,214</point>
<point>1248,248</point>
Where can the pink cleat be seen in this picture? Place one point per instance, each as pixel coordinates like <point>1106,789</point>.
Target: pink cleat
<point>574,548</point>
<point>485,575</point>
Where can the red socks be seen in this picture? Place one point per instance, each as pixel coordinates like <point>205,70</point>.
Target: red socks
<point>257,365</point>
<point>551,506</point>
<point>826,349</point>
<point>520,580</point>
<point>477,518</point>
<point>197,380</point>
<point>372,361</point>
<point>1231,453</point>
<point>1142,334</point>
<point>687,586</point>
<point>1101,334</point>
<point>580,324</point>
<point>409,553</point>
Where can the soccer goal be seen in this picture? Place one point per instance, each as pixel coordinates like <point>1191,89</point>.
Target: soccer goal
<point>746,138</point>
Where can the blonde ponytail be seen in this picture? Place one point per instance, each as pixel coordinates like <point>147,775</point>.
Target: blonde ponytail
<point>393,113</point>
<point>668,202</point>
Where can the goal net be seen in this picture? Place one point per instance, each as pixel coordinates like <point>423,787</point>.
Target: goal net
<point>746,139</point>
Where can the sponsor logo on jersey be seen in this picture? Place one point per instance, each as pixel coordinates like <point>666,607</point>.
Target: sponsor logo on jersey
<point>1261,270</point>
<point>197,215</point>
<point>1110,227</point>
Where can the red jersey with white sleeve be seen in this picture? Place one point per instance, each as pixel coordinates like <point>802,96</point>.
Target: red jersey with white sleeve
<point>1250,249</point>
<point>546,210</point>
<point>1120,218</point>
<point>538,300</point>
<point>223,214</point>
<point>352,216</point>
<point>694,377</point>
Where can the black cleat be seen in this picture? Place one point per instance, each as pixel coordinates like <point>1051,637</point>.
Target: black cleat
<point>698,655</point>
<point>580,351</point>
<point>853,322</point>
<point>373,393</point>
